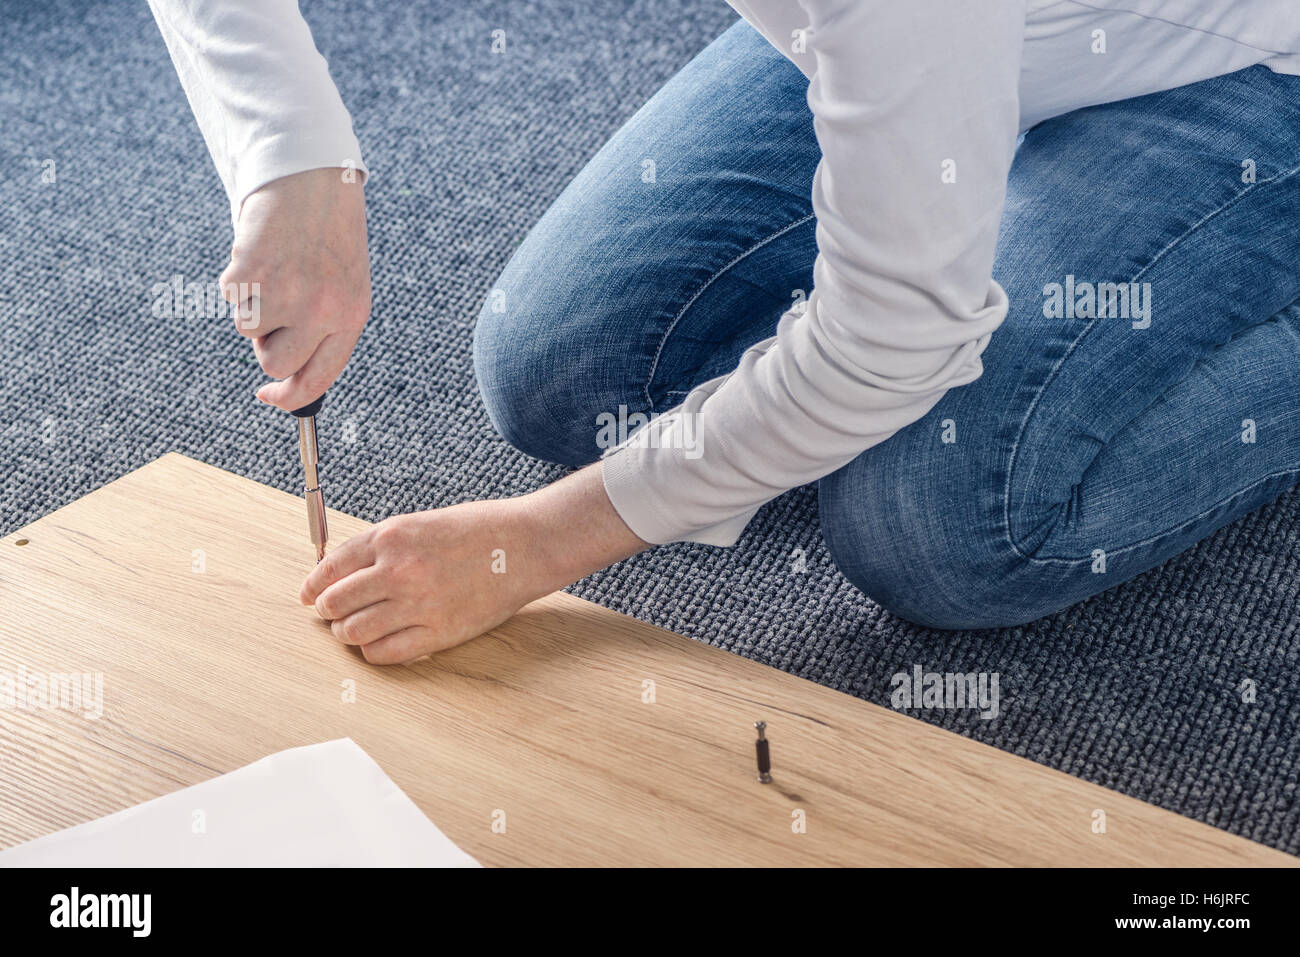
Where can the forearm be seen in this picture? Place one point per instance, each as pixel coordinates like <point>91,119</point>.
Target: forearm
<point>571,530</point>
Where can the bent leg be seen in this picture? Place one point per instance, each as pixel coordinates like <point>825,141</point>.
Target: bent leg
<point>678,246</point>
<point>1093,448</point>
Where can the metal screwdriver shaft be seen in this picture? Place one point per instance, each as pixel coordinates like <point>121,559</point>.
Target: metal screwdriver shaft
<point>310,453</point>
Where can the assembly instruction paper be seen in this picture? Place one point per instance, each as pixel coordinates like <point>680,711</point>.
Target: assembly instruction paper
<point>324,805</point>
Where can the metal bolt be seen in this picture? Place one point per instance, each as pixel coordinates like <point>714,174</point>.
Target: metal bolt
<point>764,755</point>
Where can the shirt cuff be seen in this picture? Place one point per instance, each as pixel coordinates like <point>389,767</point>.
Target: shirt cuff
<point>292,152</point>
<point>647,511</point>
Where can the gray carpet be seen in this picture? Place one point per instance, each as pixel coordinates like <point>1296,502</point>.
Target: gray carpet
<point>1136,690</point>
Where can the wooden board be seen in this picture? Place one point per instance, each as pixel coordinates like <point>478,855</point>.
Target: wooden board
<point>544,719</point>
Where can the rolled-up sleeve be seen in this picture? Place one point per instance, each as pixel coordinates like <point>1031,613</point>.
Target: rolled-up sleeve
<point>916,112</point>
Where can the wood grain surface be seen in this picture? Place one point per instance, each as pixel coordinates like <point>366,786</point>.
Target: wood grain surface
<point>179,584</point>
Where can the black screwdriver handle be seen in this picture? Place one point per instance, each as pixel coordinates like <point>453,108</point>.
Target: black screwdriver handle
<point>310,409</point>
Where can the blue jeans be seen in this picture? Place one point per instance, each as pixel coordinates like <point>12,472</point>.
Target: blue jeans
<point>1090,450</point>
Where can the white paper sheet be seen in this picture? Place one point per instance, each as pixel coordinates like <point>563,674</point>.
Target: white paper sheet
<point>324,805</point>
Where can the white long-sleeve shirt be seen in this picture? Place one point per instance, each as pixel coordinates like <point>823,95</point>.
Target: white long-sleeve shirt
<point>259,89</point>
<point>917,107</point>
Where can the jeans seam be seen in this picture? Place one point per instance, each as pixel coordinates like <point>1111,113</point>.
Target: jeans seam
<point>1292,470</point>
<point>1051,376</point>
<point>663,340</point>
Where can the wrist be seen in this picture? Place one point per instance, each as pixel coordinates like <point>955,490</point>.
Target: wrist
<point>573,530</point>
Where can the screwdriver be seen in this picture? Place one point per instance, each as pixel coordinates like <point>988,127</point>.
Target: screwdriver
<point>311,477</point>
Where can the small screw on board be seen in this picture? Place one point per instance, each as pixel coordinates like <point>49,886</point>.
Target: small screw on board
<point>764,756</point>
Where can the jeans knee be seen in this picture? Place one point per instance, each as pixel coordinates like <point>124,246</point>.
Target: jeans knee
<point>521,396</point>
<point>931,558</point>
<point>550,360</point>
<point>952,598</point>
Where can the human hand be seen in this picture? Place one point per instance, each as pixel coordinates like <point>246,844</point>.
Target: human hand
<point>302,239</point>
<point>428,581</point>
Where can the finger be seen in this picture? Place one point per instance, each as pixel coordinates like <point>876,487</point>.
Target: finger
<point>251,314</point>
<point>369,624</point>
<point>402,646</point>
<point>283,352</point>
<point>310,382</point>
<point>352,593</point>
<point>353,555</point>
<point>254,319</point>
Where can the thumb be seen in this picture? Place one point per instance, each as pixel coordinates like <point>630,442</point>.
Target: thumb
<point>310,382</point>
